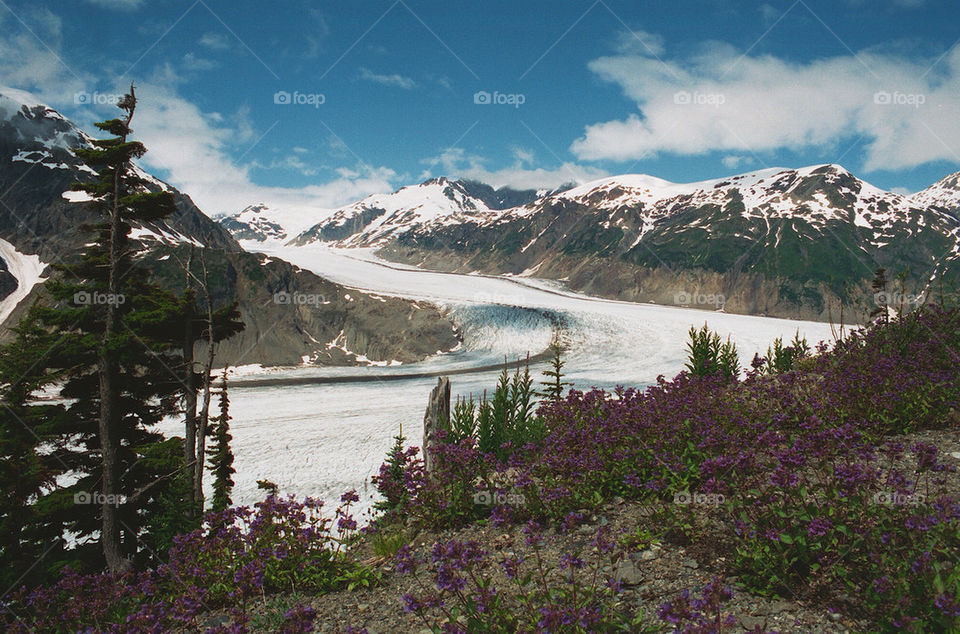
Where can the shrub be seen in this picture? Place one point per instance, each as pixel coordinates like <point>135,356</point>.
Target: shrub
<point>709,356</point>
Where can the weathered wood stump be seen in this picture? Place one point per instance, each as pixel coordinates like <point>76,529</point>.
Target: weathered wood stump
<point>437,417</point>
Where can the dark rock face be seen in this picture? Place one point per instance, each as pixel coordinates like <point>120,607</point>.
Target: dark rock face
<point>8,283</point>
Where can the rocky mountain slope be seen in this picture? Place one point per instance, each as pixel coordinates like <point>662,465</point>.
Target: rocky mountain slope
<point>782,242</point>
<point>291,314</point>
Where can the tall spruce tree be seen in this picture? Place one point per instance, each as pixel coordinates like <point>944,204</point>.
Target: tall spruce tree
<point>106,326</point>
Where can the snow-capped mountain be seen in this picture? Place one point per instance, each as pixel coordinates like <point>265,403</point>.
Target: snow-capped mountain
<point>266,224</point>
<point>378,218</point>
<point>777,241</point>
<point>42,221</point>
<point>944,194</point>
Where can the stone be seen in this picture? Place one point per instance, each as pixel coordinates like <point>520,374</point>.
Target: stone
<point>222,619</point>
<point>690,563</point>
<point>628,573</point>
<point>750,623</point>
<point>776,607</point>
<point>649,554</point>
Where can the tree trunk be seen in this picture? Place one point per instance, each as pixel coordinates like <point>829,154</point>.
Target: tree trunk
<point>437,417</point>
<point>190,390</point>
<point>205,409</point>
<point>109,398</point>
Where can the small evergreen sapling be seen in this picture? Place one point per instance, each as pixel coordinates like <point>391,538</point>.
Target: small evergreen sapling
<point>220,454</point>
<point>554,386</point>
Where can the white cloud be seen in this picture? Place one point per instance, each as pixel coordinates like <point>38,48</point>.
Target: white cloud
<point>215,41</point>
<point>719,101</point>
<point>398,81</point>
<point>733,161</point>
<point>640,42</point>
<point>33,64</point>
<point>193,148</point>
<point>456,163</point>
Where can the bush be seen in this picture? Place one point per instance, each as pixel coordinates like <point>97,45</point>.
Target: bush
<point>709,356</point>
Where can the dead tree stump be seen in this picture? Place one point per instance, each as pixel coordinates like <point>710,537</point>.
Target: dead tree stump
<point>437,417</point>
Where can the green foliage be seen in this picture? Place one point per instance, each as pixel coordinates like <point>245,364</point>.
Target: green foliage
<point>102,335</point>
<point>171,519</point>
<point>506,423</point>
<point>881,297</point>
<point>554,386</point>
<point>781,358</point>
<point>390,485</point>
<point>710,356</point>
<point>386,541</point>
<point>269,487</point>
<point>220,454</point>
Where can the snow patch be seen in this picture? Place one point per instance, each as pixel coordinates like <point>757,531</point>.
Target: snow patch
<point>26,269</point>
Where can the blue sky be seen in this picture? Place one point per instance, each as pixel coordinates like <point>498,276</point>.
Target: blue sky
<point>315,104</point>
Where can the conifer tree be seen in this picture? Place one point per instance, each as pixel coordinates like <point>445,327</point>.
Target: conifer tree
<point>106,325</point>
<point>221,456</point>
<point>554,385</point>
<point>203,324</point>
<point>33,453</point>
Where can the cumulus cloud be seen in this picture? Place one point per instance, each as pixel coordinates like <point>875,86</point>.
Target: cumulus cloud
<point>903,108</point>
<point>734,161</point>
<point>194,149</point>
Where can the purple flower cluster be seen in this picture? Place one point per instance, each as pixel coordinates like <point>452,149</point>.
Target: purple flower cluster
<point>815,488</point>
<point>238,556</point>
<point>702,614</point>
